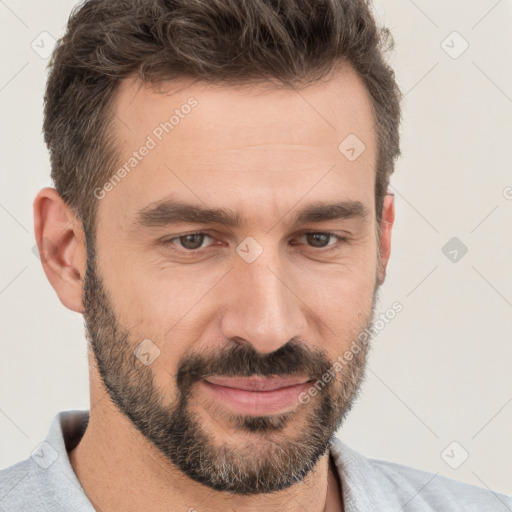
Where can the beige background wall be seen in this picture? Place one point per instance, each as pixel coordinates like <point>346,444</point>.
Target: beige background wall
<point>440,371</point>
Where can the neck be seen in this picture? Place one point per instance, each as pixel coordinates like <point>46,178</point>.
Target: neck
<point>147,481</point>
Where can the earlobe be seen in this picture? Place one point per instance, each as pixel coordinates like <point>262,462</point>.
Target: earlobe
<point>386,226</point>
<point>61,245</point>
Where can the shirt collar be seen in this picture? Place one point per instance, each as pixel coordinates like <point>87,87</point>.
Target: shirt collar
<point>364,488</point>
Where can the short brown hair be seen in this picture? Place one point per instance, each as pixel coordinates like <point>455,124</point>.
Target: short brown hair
<point>292,42</point>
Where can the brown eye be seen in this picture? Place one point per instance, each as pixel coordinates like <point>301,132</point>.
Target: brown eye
<point>190,242</point>
<point>318,239</point>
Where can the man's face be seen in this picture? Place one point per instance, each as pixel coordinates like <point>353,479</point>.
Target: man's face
<point>176,304</point>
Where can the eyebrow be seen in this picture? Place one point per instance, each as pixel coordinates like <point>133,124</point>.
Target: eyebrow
<point>171,212</point>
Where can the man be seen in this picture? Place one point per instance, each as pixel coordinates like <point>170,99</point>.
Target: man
<point>220,219</point>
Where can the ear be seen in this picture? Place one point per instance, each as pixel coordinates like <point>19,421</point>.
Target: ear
<point>61,243</point>
<point>386,225</point>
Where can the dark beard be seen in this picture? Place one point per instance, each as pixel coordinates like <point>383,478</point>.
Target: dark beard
<point>272,461</point>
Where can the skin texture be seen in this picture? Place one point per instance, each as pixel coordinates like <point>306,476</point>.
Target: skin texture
<point>264,153</point>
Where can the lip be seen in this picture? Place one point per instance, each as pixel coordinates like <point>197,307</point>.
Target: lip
<point>257,395</point>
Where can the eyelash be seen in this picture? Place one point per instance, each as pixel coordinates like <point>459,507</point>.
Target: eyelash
<point>339,238</point>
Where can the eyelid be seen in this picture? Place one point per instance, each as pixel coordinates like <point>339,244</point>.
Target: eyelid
<point>341,239</point>
<point>169,241</point>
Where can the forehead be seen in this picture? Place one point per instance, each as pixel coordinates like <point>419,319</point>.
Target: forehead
<point>263,144</point>
<point>336,103</point>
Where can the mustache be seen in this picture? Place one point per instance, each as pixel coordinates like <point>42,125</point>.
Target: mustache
<point>293,358</point>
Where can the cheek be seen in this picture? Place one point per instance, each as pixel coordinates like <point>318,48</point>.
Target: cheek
<point>339,302</point>
<point>343,304</point>
<point>147,297</point>
<point>348,282</point>
<point>168,307</point>
<point>174,304</point>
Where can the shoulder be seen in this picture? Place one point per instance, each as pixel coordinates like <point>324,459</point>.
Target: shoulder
<point>45,481</point>
<point>437,490</point>
<point>16,491</point>
<point>379,482</point>
<point>29,487</point>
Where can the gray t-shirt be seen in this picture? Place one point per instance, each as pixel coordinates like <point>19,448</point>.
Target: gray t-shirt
<point>46,482</point>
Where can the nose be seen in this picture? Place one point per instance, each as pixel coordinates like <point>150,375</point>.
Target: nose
<point>260,307</point>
